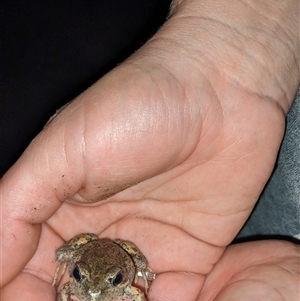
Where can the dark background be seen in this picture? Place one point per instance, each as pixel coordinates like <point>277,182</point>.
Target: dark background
<point>53,50</point>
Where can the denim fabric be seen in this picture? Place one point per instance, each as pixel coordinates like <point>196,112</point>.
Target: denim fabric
<point>278,209</point>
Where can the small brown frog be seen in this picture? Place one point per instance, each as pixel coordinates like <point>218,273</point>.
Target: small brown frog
<point>102,269</point>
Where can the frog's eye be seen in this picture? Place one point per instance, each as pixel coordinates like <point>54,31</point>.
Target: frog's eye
<point>118,279</point>
<point>76,274</point>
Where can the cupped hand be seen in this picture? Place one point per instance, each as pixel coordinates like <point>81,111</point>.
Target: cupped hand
<point>261,270</point>
<point>169,150</point>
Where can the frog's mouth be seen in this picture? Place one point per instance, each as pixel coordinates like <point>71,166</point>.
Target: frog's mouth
<point>92,297</point>
<point>74,298</point>
<point>95,296</point>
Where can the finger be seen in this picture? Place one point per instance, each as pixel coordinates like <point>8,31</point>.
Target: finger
<point>162,243</point>
<point>176,287</point>
<point>28,287</point>
<point>251,268</point>
<point>18,243</point>
<point>22,240</point>
<point>251,290</point>
<point>36,278</point>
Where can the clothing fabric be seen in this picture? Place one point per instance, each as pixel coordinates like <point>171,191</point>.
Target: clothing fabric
<point>278,209</point>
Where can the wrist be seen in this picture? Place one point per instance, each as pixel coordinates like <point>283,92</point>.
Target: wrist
<point>254,44</point>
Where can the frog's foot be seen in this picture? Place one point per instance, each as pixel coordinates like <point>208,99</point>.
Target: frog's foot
<point>148,275</point>
<point>133,293</point>
<point>64,293</point>
<point>61,268</point>
<point>140,261</point>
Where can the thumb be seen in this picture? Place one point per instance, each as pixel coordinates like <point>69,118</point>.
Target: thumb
<point>100,144</point>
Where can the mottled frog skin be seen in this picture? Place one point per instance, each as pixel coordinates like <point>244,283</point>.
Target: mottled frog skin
<point>102,269</point>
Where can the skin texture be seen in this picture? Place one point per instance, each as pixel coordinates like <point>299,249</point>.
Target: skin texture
<point>169,150</point>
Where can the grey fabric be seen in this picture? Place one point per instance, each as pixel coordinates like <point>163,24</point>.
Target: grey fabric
<point>278,209</point>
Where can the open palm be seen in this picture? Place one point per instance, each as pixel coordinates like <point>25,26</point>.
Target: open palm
<point>163,151</point>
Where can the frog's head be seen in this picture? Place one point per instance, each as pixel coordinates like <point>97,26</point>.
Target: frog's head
<point>90,285</point>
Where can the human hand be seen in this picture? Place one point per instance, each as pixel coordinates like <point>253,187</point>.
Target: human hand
<point>261,270</point>
<point>179,142</point>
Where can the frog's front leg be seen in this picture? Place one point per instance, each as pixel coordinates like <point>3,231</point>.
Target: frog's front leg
<point>64,293</point>
<point>61,267</point>
<point>148,275</point>
<point>133,293</point>
<point>140,262</point>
